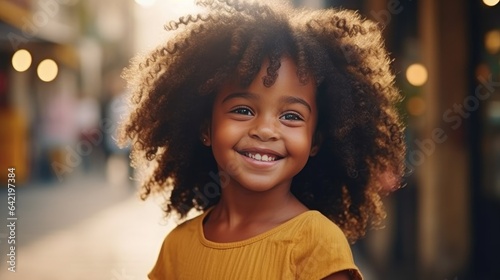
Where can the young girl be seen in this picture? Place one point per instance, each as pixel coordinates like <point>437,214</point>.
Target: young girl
<point>278,124</point>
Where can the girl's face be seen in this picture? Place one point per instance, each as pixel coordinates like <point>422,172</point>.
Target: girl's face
<point>263,136</point>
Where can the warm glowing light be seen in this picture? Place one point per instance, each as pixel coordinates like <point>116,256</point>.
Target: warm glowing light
<point>21,60</point>
<point>482,70</point>
<point>145,3</point>
<point>47,70</point>
<point>492,41</point>
<point>416,106</point>
<point>416,74</point>
<point>491,3</point>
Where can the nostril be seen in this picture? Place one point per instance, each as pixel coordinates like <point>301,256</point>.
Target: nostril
<point>264,134</point>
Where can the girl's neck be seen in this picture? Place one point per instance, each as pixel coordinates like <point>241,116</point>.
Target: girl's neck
<point>239,206</point>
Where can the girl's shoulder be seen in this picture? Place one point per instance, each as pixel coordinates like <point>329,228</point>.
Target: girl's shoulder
<point>315,227</point>
<point>185,230</point>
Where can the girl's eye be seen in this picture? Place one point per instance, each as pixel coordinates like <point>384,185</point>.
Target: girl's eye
<point>291,117</point>
<point>242,111</point>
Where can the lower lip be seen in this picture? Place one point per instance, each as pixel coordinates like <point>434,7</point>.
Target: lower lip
<point>258,163</point>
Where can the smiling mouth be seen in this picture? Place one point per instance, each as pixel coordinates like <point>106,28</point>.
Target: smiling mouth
<point>260,156</point>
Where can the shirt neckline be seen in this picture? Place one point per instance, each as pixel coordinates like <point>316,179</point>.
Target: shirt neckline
<point>229,245</point>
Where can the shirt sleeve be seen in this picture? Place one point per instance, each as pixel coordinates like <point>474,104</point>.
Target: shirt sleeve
<point>322,249</point>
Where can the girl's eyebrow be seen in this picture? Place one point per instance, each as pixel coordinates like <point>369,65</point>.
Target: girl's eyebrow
<point>243,94</point>
<point>295,100</point>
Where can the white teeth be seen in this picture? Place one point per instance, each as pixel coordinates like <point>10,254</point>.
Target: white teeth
<point>260,157</point>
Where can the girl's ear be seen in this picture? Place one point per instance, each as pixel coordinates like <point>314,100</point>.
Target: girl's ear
<point>317,140</point>
<point>205,134</point>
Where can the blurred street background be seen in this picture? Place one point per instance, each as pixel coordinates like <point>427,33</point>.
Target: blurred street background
<point>77,207</point>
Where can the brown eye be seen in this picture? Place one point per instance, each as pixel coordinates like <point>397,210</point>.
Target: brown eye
<point>291,117</point>
<point>242,111</point>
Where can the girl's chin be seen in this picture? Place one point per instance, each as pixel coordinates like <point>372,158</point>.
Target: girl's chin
<point>257,185</point>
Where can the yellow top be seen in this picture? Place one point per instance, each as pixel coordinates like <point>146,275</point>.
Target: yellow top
<point>308,246</point>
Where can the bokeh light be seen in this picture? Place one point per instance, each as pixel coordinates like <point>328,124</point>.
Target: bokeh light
<point>47,70</point>
<point>490,3</point>
<point>21,60</point>
<point>492,41</point>
<point>416,74</point>
<point>416,106</point>
<point>482,70</point>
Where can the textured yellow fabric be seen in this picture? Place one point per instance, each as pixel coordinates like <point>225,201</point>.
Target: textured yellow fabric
<point>309,246</point>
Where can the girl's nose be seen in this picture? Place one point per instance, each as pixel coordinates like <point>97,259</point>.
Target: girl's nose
<point>264,129</point>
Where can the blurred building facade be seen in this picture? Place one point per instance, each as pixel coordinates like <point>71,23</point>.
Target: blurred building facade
<point>60,108</point>
<point>442,225</point>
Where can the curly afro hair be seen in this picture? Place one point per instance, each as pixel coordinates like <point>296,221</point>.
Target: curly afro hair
<point>173,88</point>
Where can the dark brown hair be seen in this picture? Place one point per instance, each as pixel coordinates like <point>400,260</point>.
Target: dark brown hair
<point>173,88</point>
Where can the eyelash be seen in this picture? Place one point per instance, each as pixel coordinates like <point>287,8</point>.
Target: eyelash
<point>248,112</point>
<point>239,109</point>
<point>296,117</point>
